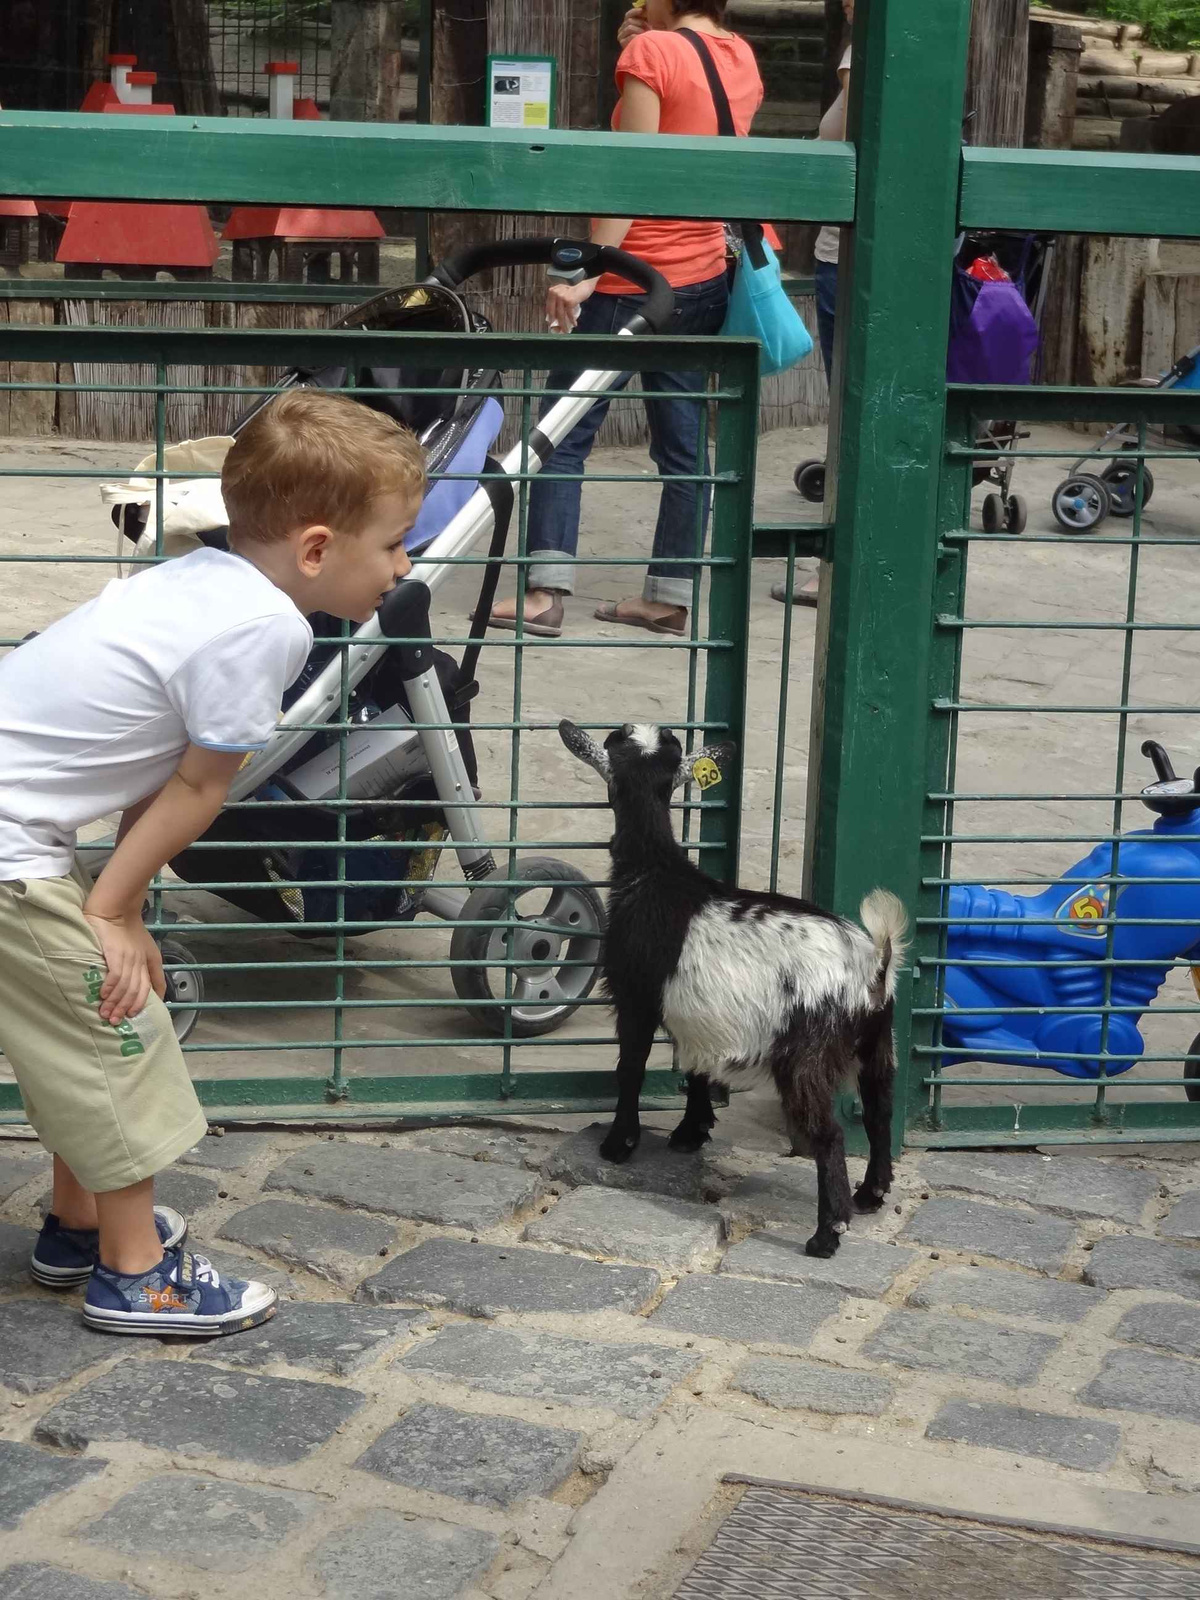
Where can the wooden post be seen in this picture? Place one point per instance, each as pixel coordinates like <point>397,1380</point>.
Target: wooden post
<point>365,63</point>
<point>198,92</point>
<point>997,69</point>
<point>456,98</point>
<point>1054,51</point>
<point>1111,302</point>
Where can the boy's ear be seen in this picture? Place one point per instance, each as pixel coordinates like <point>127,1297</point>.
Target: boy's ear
<point>312,547</point>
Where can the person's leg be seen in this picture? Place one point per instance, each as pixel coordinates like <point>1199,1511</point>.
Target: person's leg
<point>70,1202</point>
<point>129,1241</point>
<point>678,446</point>
<point>554,502</point>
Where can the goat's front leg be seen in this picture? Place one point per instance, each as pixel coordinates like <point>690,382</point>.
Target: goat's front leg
<point>698,1118</point>
<point>828,1147</point>
<point>635,1035</point>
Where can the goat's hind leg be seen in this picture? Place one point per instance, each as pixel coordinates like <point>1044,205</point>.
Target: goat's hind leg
<point>635,1035</point>
<point>876,1075</point>
<point>699,1118</point>
<point>808,1098</point>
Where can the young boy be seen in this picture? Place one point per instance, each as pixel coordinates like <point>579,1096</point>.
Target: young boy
<point>147,700</point>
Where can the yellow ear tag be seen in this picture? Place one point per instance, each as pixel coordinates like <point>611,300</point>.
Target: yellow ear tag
<point>706,772</point>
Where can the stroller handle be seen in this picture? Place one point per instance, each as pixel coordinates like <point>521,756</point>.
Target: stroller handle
<point>572,260</point>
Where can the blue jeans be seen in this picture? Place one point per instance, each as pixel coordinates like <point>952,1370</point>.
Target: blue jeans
<point>825,273</point>
<point>678,435</point>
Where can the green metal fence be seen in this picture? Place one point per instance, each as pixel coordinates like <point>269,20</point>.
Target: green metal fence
<point>893,798</point>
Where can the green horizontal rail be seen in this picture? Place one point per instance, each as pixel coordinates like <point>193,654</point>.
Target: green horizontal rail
<point>220,290</point>
<point>1136,1122</point>
<point>256,162</point>
<point>1066,191</point>
<point>1069,403</point>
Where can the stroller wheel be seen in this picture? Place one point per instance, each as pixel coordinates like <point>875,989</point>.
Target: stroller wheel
<point>1120,479</point>
<point>1080,503</point>
<point>559,918</point>
<point>1191,1070</point>
<point>993,513</point>
<point>809,478</point>
<point>1016,514</point>
<point>185,986</point>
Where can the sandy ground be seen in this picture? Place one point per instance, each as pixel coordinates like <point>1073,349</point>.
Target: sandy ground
<point>49,508</point>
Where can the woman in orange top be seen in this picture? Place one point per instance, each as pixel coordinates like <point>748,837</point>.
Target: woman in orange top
<point>663,90</point>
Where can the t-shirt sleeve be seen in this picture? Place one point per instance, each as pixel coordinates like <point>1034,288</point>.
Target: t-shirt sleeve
<point>230,691</point>
<point>645,58</point>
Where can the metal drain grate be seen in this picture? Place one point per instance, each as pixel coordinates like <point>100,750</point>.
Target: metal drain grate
<point>781,1544</point>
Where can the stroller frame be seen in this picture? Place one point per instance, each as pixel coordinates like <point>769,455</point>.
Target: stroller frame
<point>402,624</point>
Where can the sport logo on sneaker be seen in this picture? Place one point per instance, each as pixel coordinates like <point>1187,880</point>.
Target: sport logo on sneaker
<point>131,1045</point>
<point>166,1299</point>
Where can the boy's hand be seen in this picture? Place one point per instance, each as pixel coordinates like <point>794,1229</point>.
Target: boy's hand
<point>134,965</point>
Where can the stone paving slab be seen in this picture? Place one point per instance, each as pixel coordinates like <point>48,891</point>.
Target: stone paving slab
<point>482,1280</point>
<point>486,1460</point>
<point>35,1580</point>
<point>935,1342</point>
<point>335,1245</point>
<point>633,1379</point>
<point>188,1192</point>
<point>1138,1380</point>
<point>1130,1263</point>
<point>211,1411</point>
<point>1166,1326</point>
<point>787,1193</point>
<point>486,1144</point>
<point>28,1476</point>
<point>1088,1446</point>
<point>16,1247</point>
<point>746,1311</point>
<point>44,1341</point>
<point>1009,1294</point>
<point>862,1266</point>
<point>1183,1220</point>
<point>420,1184</point>
<point>232,1152</point>
<point>653,1168</point>
<point>674,1234</point>
<point>432,1560</point>
<point>809,1386</point>
<point>17,1171</point>
<point>326,1336</point>
<point>205,1523</point>
<point>1076,1186</point>
<point>1001,1232</point>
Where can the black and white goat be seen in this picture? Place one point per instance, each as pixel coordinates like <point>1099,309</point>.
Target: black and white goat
<point>746,984</point>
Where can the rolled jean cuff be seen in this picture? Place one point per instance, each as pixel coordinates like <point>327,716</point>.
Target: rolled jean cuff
<point>555,571</point>
<point>668,591</point>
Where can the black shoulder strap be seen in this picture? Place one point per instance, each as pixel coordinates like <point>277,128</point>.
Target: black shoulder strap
<point>725,127</point>
<point>751,232</point>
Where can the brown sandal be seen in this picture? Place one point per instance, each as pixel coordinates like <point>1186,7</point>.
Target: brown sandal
<point>546,625</point>
<point>607,612</point>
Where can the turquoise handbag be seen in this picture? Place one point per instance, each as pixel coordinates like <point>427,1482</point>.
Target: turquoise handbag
<point>758,305</point>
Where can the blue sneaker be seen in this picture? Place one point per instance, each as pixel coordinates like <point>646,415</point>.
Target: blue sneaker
<point>184,1295</point>
<point>63,1258</point>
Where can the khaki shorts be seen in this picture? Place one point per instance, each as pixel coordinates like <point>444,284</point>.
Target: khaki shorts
<point>116,1103</point>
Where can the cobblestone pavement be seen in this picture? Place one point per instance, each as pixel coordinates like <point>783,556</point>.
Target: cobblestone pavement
<point>485,1329</point>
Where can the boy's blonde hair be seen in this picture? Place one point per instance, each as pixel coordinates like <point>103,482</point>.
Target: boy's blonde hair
<point>314,457</point>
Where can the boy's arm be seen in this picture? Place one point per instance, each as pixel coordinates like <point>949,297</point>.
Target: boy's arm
<point>165,824</point>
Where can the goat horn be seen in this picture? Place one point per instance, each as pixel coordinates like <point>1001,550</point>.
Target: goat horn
<point>583,746</point>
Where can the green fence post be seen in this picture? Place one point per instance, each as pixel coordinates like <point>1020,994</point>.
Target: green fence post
<point>871,700</point>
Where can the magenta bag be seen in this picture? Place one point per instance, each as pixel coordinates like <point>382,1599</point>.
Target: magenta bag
<point>993,335</point>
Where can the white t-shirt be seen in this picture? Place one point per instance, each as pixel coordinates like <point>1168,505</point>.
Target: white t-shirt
<point>833,125</point>
<point>96,712</point>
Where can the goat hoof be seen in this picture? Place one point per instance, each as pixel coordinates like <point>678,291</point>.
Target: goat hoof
<point>619,1147</point>
<point>823,1244</point>
<point>688,1138</point>
<point>867,1199</point>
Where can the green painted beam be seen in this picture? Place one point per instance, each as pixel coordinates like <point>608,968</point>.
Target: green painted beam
<point>219,289</point>
<point>1065,191</point>
<point>1126,1121</point>
<point>1063,404</point>
<point>240,160</point>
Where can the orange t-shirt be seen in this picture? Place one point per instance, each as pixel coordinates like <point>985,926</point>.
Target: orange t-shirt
<point>684,252</point>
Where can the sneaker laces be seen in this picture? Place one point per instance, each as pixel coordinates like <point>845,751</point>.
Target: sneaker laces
<point>192,1272</point>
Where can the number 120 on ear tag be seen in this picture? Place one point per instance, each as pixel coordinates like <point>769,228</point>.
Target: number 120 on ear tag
<point>706,772</point>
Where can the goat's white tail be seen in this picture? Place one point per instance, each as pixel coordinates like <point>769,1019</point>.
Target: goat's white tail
<point>886,920</point>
